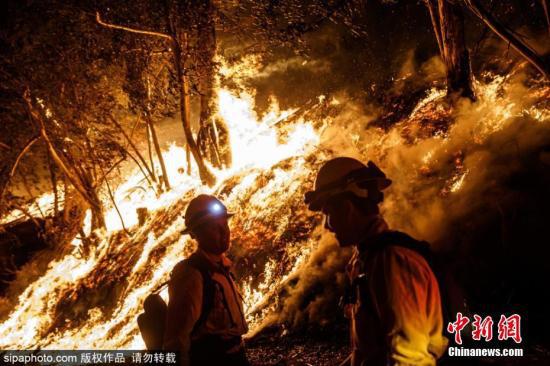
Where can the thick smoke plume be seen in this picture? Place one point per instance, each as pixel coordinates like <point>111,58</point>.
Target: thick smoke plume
<point>473,181</point>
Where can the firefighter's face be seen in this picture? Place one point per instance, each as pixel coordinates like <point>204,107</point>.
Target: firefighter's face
<point>213,235</point>
<point>339,220</point>
<point>345,220</point>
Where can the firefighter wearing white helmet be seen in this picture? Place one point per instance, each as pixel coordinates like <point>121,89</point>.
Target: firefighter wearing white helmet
<point>205,318</point>
<point>393,300</point>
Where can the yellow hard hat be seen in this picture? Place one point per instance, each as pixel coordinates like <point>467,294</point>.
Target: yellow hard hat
<point>345,174</point>
<point>202,208</point>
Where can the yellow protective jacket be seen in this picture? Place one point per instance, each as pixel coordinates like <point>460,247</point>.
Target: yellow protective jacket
<point>396,318</point>
<point>225,319</point>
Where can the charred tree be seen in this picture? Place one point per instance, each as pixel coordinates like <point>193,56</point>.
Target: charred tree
<point>210,145</point>
<point>448,23</point>
<point>206,38</point>
<point>180,52</point>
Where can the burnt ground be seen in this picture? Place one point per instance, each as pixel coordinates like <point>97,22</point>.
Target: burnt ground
<point>322,348</point>
<point>331,347</point>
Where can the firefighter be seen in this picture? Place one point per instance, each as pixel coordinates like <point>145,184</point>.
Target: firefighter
<point>393,301</point>
<point>205,319</point>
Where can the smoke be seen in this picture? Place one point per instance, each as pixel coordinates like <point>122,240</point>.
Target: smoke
<point>476,190</point>
<point>441,179</point>
<point>311,295</point>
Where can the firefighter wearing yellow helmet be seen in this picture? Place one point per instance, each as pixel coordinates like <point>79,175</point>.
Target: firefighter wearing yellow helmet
<point>205,318</point>
<point>393,301</point>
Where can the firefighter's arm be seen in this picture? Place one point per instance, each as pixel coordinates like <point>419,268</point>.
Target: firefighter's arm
<point>408,305</point>
<point>184,308</point>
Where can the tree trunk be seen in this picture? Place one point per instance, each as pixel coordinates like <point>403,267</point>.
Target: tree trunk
<point>205,59</point>
<point>224,142</point>
<point>98,217</point>
<point>188,159</point>
<point>179,45</point>
<point>434,16</point>
<point>455,54</point>
<point>80,182</point>
<point>53,180</point>
<point>185,109</point>
<point>500,30</point>
<point>210,144</point>
<point>149,147</point>
<point>158,151</point>
<point>153,133</point>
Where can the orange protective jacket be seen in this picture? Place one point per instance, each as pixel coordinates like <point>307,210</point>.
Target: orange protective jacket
<point>397,317</point>
<point>225,320</point>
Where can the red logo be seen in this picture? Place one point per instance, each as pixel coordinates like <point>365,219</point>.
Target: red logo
<point>482,328</point>
<point>457,326</point>
<point>508,328</point>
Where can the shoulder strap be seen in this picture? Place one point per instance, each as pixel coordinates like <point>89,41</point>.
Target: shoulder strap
<point>199,263</point>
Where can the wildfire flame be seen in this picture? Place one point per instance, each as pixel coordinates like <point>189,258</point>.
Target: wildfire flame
<point>92,301</point>
<point>256,147</point>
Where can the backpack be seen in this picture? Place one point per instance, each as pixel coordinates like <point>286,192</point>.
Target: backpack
<point>451,293</point>
<point>152,321</point>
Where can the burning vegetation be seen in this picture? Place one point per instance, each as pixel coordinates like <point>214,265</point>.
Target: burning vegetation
<point>117,116</point>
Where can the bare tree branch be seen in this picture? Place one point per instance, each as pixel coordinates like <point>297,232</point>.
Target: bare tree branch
<point>432,7</point>
<point>106,173</point>
<point>75,180</point>
<point>111,195</point>
<point>504,33</point>
<point>546,13</point>
<point>130,142</point>
<point>27,214</point>
<point>128,29</point>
